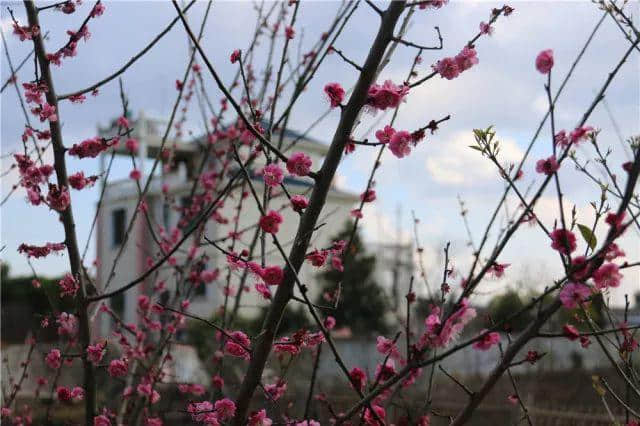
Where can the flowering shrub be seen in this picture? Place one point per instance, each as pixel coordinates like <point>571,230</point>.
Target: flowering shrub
<point>242,155</point>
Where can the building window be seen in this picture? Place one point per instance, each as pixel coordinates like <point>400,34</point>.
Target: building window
<point>118,225</point>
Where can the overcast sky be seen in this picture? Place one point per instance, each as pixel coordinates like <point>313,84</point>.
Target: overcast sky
<point>503,90</point>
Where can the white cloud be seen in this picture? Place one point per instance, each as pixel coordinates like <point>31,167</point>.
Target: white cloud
<point>454,163</point>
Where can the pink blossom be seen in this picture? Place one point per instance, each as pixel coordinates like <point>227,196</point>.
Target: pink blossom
<point>96,352</point>
<point>573,294</point>
<point>399,143</point>
<point>467,58</point>
<point>368,196</point>
<point>199,410</point>
<point>329,323</point>
<point>97,10</point>
<point>488,340</point>
<point>235,56</point>
<point>47,112</point>
<point>225,408</point>
<point>548,166</point>
<point>299,164</point>
<point>447,68</point>
<point>263,290</point>
<point>289,32</point>
<point>607,275</point>
<point>613,252</point>
<point>63,394</point>
<point>78,181</point>
<point>217,381</point>
<point>563,241</point>
<point>579,268</point>
<point>132,145</point>
<point>277,389</point>
<point>135,174</point>
<point>579,134</point>
<point>432,4</point>
<point>91,147</point>
<point>237,343</point>
<point>335,93</point>
<point>273,175</point>
<point>358,378</point>
<point>101,420</point>
<point>270,223</point>
<point>58,198</point>
<point>497,269</point>
<point>67,324</point>
<point>54,359</point>
<point>336,263</point>
<point>209,275</point>
<point>544,61</point>
<point>272,275</point>
<point>387,347</point>
<point>561,139</point>
<point>118,368</point>
<point>370,419</point>
<point>616,221</point>
<point>317,257</point>
<point>40,251</point>
<point>384,135</point>
<point>357,213</point>
<point>387,95</point>
<point>299,203</point>
<point>440,336</point>
<point>77,393</point>
<point>68,286</point>
<point>486,28</point>
<point>259,418</point>
<point>571,332</point>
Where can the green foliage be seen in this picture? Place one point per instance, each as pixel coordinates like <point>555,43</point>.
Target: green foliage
<point>293,319</point>
<point>363,304</point>
<point>504,306</point>
<point>21,300</point>
<point>588,236</point>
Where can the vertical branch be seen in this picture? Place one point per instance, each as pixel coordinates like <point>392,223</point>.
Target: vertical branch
<point>350,113</point>
<point>66,216</point>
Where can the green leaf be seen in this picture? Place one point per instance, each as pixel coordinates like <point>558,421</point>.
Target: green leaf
<point>476,148</point>
<point>588,236</point>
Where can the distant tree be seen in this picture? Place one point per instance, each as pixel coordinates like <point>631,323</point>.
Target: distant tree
<point>362,305</point>
<point>503,306</point>
<point>23,299</point>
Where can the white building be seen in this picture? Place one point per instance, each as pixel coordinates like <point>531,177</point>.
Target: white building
<point>120,201</point>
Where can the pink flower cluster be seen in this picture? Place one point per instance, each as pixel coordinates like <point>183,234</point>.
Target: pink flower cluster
<point>387,95</point>
<point>270,222</point>
<point>273,175</point>
<point>563,241</point>
<point>576,136</point>
<point>487,340</point>
<point>67,325</point>
<point>440,335</point>
<point>451,68</point>
<point>399,142</point>
<point>299,164</point>
<point>40,251</point>
<point>79,181</point>
<point>237,345</point>
<point>544,61</point>
<point>547,166</point>
<point>68,286</point>
<point>91,147</point>
<point>335,93</point>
